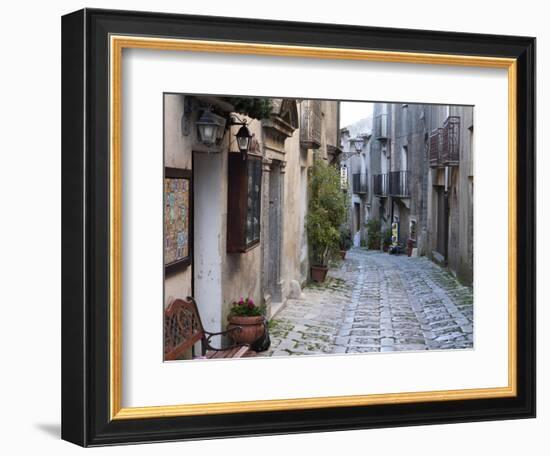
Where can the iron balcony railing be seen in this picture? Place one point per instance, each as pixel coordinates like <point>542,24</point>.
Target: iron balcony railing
<point>451,141</point>
<point>436,144</point>
<point>310,124</point>
<point>359,183</point>
<point>399,184</point>
<point>380,184</point>
<point>445,144</point>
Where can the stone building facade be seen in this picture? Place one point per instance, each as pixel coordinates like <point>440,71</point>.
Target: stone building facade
<point>356,165</point>
<point>417,163</point>
<point>284,145</point>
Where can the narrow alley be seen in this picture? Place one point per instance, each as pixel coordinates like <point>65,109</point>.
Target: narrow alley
<point>376,302</point>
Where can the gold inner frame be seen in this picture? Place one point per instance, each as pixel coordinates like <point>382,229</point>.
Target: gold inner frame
<point>117,44</point>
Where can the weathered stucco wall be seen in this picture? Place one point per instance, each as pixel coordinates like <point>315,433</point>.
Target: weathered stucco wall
<point>241,272</point>
<point>461,201</point>
<point>461,183</point>
<point>331,120</point>
<point>409,154</point>
<point>294,211</point>
<point>177,154</point>
<point>217,278</point>
<point>409,129</point>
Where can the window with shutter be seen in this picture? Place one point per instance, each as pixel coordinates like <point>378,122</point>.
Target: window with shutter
<point>243,203</point>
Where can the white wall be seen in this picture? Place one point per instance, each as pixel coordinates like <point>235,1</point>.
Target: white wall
<point>30,233</point>
<point>209,207</point>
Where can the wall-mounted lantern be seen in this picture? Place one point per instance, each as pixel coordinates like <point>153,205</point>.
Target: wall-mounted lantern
<point>243,136</point>
<point>243,141</point>
<point>210,127</point>
<point>357,143</point>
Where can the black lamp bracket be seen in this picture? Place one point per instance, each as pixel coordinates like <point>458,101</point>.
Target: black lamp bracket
<point>235,120</point>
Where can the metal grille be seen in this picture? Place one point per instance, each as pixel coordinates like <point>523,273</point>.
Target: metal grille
<point>399,184</point>
<point>380,183</point>
<point>451,141</point>
<point>359,183</point>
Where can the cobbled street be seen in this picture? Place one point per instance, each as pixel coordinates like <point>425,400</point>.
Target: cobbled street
<point>376,302</point>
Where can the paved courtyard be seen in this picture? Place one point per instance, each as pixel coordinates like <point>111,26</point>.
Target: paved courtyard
<point>376,302</point>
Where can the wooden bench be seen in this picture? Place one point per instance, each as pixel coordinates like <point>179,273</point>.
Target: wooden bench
<point>183,329</point>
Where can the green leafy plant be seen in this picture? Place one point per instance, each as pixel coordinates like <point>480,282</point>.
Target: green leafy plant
<point>386,238</point>
<point>326,212</point>
<point>345,238</point>
<point>245,308</point>
<point>257,108</point>
<point>374,235</point>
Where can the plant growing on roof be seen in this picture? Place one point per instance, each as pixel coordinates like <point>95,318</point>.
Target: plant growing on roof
<point>256,108</point>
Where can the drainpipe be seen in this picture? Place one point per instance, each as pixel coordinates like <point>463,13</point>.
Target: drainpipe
<point>391,210</point>
<point>446,212</point>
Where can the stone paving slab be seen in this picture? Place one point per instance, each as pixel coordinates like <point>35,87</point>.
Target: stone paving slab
<point>375,302</point>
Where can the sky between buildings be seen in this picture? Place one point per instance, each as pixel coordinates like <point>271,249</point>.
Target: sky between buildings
<point>351,112</point>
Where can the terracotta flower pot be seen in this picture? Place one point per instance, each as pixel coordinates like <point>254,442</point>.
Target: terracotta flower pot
<point>343,254</point>
<point>252,328</point>
<point>318,273</point>
<point>410,245</point>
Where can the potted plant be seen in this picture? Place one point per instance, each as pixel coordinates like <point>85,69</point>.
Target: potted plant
<point>246,321</point>
<point>386,239</point>
<point>326,213</point>
<point>374,235</point>
<point>345,241</point>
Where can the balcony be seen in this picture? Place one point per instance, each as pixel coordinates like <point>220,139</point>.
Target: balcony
<point>359,183</point>
<point>436,145</point>
<point>451,141</point>
<point>445,144</point>
<point>381,126</point>
<point>399,184</point>
<point>380,184</point>
<point>310,124</point>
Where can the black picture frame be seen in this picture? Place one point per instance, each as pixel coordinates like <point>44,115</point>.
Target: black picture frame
<point>86,413</point>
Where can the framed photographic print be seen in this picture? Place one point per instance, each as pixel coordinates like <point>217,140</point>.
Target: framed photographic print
<point>278,227</point>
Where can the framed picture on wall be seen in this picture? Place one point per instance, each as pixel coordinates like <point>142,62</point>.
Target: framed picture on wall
<point>274,227</point>
<point>178,198</point>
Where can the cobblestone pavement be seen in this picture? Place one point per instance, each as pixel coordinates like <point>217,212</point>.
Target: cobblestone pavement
<point>376,302</point>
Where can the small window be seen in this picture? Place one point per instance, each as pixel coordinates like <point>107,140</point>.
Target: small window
<point>243,203</point>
